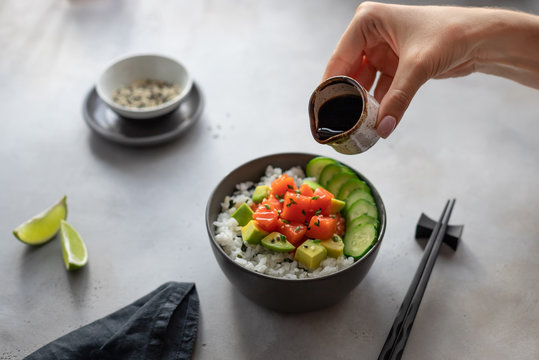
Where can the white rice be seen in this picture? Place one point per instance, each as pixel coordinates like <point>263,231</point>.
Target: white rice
<point>256,257</point>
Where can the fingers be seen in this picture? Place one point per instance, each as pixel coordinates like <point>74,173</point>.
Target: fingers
<point>408,79</point>
<point>368,47</point>
<point>383,58</point>
<point>382,86</point>
<point>348,55</point>
<point>366,74</point>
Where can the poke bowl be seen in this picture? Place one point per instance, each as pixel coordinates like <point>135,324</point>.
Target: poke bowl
<point>280,235</point>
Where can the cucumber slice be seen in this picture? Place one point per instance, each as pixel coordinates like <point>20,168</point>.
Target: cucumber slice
<point>356,195</point>
<point>338,180</point>
<point>363,219</point>
<point>350,186</point>
<point>358,240</point>
<point>330,171</point>
<point>316,165</point>
<point>359,208</point>
<point>327,173</point>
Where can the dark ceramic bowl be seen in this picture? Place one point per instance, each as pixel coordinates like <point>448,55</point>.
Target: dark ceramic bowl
<point>280,294</point>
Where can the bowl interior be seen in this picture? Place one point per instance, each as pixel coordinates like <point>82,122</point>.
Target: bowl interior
<point>252,171</point>
<point>154,67</point>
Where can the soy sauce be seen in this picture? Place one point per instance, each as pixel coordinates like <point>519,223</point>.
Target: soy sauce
<point>338,115</point>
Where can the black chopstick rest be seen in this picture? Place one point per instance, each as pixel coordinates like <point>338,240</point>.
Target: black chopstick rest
<point>398,335</point>
<point>425,226</point>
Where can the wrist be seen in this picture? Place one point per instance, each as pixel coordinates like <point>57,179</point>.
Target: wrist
<point>507,46</point>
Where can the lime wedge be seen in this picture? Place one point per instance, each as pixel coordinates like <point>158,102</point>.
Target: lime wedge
<point>42,227</point>
<point>73,248</point>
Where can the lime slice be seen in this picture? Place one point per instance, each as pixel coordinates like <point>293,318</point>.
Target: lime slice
<point>42,227</point>
<point>73,248</point>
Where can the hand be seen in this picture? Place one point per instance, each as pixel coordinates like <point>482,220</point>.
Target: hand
<point>408,45</point>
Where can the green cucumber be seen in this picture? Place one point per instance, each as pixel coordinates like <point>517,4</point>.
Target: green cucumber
<point>316,165</point>
<point>363,219</point>
<point>358,240</point>
<point>338,180</point>
<point>356,195</point>
<point>330,171</point>
<point>359,208</point>
<point>350,186</point>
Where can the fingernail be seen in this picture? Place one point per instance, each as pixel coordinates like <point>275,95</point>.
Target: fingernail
<point>386,126</point>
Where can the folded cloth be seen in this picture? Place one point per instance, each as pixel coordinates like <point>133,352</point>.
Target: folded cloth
<point>160,325</point>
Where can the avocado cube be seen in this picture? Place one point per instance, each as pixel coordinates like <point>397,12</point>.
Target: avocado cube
<point>252,233</point>
<point>334,246</point>
<point>310,254</point>
<point>243,214</point>
<point>277,242</point>
<point>336,206</point>
<point>312,184</point>
<point>261,192</point>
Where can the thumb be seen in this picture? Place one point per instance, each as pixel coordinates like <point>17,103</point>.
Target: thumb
<point>406,82</point>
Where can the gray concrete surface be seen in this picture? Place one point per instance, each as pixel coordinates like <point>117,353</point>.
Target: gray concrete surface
<point>141,210</point>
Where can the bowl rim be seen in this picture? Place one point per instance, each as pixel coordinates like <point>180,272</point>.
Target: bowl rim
<point>380,205</point>
<point>106,98</point>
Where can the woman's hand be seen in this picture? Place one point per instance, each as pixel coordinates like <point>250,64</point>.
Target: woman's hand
<point>408,45</point>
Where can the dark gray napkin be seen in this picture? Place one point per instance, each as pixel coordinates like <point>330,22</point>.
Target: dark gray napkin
<point>160,325</point>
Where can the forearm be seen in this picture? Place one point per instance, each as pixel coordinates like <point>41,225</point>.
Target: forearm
<point>510,47</point>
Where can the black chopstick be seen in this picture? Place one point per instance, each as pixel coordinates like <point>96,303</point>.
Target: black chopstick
<point>406,328</point>
<point>398,335</point>
<point>391,339</point>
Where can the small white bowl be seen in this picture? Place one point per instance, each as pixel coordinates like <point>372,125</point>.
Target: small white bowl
<point>125,71</point>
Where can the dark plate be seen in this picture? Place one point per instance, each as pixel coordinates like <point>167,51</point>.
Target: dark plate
<point>106,123</point>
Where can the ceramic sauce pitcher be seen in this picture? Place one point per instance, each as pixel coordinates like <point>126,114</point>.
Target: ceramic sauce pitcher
<point>343,115</point>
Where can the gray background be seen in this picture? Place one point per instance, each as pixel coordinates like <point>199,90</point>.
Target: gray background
<point>141,211</point>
